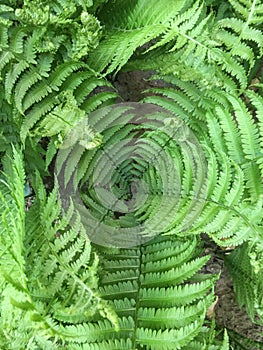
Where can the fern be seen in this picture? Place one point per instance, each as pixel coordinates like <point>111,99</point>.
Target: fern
<point>57,304</point>
<point>237,189</point>
<point>211,53</point>
<point>185,160</point>
<point>239,342</point>
<point>41,72</point>
<point>211,197</point>
<point>247,282</point>
<point>149,295</point>
<point>62,289</point>
<point>12,221</point>
<point>251,11</point>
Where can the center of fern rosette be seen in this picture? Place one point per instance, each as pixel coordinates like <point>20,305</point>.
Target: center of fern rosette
<point>132,171</point>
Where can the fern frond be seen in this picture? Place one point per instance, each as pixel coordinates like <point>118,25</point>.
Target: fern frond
<point>251,11</point>
<point>237,173</point>
<point>240,342</point>
<point>39,67</point>
<point>213,184</point>
<point>134,27</point>
<point>137,295</point>
<point>12,219</point>
<point>67,261</point>
<point>212,53</point>
<point>62,288</point>
<point>247,283</point>
<point>30,78</point>
<point>113,51</point>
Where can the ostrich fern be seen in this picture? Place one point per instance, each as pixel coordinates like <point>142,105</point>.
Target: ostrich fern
<point>187,159</point>
<point>149,296</point>
<point>45,82</point>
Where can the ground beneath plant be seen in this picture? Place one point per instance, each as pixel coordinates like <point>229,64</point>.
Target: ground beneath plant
<point>131,87</point>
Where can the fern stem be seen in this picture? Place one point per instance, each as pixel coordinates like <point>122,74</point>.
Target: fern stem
<point>253,7</point>
<point>136,320</point>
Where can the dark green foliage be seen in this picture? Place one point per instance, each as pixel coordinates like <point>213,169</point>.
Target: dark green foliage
<point>239,342</point>
<point>247,278</point>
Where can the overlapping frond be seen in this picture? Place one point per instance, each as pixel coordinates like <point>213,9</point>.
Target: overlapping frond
<point>234,158</point>
<point>250,10</point>
<point>185,161</point>
<point>12,219</point>
<point>240,342</point>
<point>196,47</point>
<point>48,275</point>
<point>129,26</point>
<point>44,81</point>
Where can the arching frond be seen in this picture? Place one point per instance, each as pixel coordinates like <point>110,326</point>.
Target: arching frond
<point>48,275</point>
<point>251,11</point>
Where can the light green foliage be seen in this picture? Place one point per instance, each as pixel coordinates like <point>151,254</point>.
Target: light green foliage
<point>156,291</point>
<point>232,142</point>
<point>60,291</point>
<point>49,283</point>
<point>50,289</point>
<point>182,39</point>
<point>233,210</point>
<point>44,80</point>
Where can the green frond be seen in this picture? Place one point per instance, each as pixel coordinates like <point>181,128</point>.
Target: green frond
<point>12,218</point>
<point>247,283</point>
<point>185,94</point>
<point>240,342</point>
<point>63,283</point>
<point>138,14</point>
<point>38,66</point>
<point>5,57</point>
<point>225,345</point>
<point>167,312</point>
<point>248,129</point>
<point>17,40</point>
<point>117,49</point>
<point>36,113</point>
<point>212,190</point>
<point>149,177</point>
<point>230,66</point>
<point>4,24</point>
<point>209,340</point>
<point>251,11</point>
<point>113,53</point>
<point>243,30</point>
<point>115,344</point>
<point>197,48</point>
<point>99,100</point>
<point>12,76</point>
<point>249,135</point>
<point>168,339</point>
<point>231,135</point>
<point>30,78</point>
